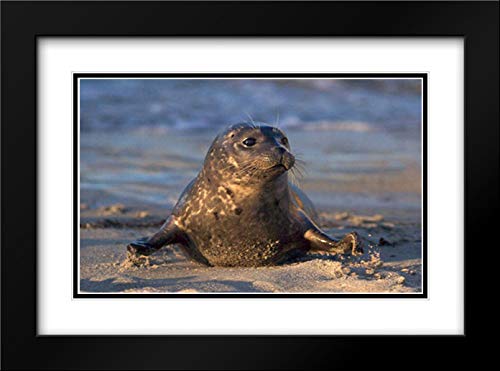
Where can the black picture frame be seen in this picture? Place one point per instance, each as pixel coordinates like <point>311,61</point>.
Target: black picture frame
<point>23,22</point>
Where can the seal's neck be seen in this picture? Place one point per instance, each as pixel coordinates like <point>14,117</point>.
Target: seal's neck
<point>273,190</point>
<point>246,188</point>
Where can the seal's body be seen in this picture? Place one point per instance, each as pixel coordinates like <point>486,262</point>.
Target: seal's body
<point>241,210</point>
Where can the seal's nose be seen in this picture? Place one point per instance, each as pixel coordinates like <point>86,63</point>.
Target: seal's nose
<point>287,159</point>
<point>281,150</point>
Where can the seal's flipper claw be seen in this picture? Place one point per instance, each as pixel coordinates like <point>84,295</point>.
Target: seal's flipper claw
<point>321,241</point>
<point>140,247</point>
<point>167,234</point>
<point>352,243</point>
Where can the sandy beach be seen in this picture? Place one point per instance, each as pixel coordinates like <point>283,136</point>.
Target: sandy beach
<point>362,173</point>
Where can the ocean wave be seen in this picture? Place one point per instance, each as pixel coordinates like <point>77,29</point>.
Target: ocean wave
<point>328,125</point>
<point>317,104</point>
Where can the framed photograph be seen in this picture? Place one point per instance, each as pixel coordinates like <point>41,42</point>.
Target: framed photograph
<point>334,139</point>
<point>262,184</point>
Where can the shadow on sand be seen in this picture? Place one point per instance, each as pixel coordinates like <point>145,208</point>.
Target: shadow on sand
<point>163,285</point>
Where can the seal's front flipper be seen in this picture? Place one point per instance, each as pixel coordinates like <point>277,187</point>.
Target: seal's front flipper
<point>140,247</point>
<point>318,240</point>
<point>168,234</point>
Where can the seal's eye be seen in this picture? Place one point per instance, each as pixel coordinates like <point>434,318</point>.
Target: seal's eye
<point>249,142</point>
<point>284,141</point>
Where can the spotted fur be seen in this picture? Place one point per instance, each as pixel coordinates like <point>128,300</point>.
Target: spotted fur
<point>241,209</point>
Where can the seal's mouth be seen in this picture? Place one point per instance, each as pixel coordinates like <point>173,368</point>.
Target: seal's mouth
<point>280,167</point>
<point>286,163</point>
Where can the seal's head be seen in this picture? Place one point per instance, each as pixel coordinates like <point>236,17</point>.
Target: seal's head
<point>248,153</point>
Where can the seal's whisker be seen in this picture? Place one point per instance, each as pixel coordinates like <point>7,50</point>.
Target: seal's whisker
<point>301,167</point>
<point>296,172</point>
<point>252,122</point>
<point>300,161</point>
<point>298,154</point>
<point>294,180</point>
<point>301,171</point>
<point>248,166</point>
<point>242,168</point>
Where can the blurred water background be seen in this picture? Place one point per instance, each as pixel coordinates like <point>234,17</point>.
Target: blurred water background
<point>143,140</point>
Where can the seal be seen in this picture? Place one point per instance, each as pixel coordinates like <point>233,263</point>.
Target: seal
<point>241,209</point>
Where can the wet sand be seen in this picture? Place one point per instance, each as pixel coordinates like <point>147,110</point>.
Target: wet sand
<point>391,263</point>
<point>377,196</point>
